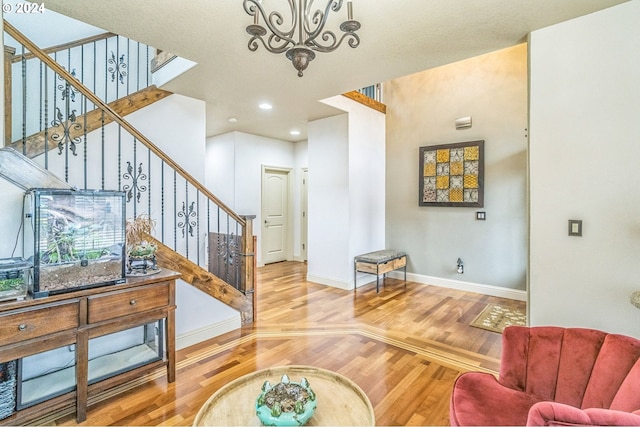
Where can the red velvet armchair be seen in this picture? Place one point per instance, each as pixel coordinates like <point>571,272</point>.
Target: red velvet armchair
<point>554,376</point>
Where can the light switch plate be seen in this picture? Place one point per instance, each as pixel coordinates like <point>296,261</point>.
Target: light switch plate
<point>481,216</point>
<point>575,227</point>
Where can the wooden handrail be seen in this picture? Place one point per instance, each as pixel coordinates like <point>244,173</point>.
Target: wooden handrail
<point>20,38</point>
<point>65,46</point>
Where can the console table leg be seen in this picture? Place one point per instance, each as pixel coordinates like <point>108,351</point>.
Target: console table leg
<point>82,373</point>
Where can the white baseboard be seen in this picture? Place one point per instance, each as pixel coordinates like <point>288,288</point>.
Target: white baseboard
<point>211,331</point>
<point>347,286</point>
<point>478,288</point>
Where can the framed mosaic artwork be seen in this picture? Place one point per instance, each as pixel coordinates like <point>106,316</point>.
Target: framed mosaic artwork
<point>452,175</point>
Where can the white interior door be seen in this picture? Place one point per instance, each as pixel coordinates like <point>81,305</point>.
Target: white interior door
<point>275,204</point>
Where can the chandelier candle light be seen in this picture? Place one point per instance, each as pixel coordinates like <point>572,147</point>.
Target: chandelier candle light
<point>307,26</point>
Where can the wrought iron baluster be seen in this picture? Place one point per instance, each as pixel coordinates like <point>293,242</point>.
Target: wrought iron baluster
<point>119,157</point>
<point>162,200</point>
<point>46,117</point>
<point>136,188</point>
<point>23,63</point>
<point>150,181</point>
<point>118,69</point>
<point>66,126</point>
<point>198,226</point>
<point>84,146</point>
<point>238,283</point>
<point>102,147</point>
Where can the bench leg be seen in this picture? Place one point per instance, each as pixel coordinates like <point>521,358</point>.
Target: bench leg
<point>355,275</point>
<point>405,277</point>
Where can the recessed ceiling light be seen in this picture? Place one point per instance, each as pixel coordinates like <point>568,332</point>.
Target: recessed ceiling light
<point>295,132</point>
<point>265,106</point>
<point>232,120</point>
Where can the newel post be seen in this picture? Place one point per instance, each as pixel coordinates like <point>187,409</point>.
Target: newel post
<point>248,252</point>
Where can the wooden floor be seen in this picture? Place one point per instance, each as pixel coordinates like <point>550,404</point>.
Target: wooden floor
<point>403,347</point>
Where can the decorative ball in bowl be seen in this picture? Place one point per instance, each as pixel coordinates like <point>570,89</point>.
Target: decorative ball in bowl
<point>286,403</point>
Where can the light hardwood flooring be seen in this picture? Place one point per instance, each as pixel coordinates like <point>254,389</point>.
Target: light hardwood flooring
<point>404,347</point>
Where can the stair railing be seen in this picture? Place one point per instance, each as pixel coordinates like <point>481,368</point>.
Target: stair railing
<point>110,65</point>
<point>189,218</point>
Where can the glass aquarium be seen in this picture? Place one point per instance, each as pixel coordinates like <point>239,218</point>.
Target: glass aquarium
<point>76,240</point>
<point>15,278</point>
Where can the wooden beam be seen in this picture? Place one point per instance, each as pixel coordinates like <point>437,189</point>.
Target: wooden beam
<point>35,144</point>
<point>8,56</point>
<point>205,281</point>
<point>365,100</point>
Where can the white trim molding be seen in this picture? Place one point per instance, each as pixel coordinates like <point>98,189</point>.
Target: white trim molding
<point>347,286</point>
<point>478,288</point>
<point>210,331</point>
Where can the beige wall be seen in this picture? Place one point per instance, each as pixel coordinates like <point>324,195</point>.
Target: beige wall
<point>584,151</point>
<point>422,108</point>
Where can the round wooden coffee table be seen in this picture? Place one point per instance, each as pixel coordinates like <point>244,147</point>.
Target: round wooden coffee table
<point>340,400</point>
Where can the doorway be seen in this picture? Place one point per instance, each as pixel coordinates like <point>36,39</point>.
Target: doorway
<point>275,215</point>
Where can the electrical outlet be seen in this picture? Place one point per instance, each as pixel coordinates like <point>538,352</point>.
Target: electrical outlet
<point>575,227</point>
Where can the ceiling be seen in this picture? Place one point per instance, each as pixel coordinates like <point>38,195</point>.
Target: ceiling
<point>397,38</point>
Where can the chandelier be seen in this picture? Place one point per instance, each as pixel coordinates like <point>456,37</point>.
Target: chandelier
<point>305,35</point>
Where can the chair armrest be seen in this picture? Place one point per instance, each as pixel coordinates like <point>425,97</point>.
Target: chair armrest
<point>558,414</point>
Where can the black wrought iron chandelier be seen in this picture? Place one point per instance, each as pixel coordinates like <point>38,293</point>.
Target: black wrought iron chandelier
<point>306,33</point>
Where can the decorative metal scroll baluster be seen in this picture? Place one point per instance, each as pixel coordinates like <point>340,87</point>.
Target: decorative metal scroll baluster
<point>187,225</point>
<point>118,68</point>
<point>66,127</point>
<point>135,189</point>
<point>228,252</point>
<point>67,91</point>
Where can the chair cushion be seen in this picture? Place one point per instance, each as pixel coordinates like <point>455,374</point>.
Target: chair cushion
<point>479,400</point>
<point>558,414</point>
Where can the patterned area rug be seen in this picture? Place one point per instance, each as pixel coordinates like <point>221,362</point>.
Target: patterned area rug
<point>497,317</point>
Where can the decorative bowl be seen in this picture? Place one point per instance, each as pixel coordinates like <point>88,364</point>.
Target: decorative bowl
<point>286,403</point>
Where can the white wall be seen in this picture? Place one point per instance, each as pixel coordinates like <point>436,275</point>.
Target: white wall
<point>421,110</point>
<point>38,26</point>
<point>177,125</point>
<point>234,173</point>
<point>346,191</point>
<point>584,151</point>
<point>328,232</point>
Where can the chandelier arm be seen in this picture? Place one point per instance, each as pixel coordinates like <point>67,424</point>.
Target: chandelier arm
<point>272,21</point>
<point>354,41</point>
<point>319,18</point>
<point>276,44</point>
<point>276,20</point>
<point>253,44</point>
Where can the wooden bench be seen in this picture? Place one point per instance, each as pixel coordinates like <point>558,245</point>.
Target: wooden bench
<point>379,262</point>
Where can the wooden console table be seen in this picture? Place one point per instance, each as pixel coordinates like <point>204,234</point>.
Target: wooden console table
<point>340,401</point>
<point>379,262</point>
<point>34,326</point>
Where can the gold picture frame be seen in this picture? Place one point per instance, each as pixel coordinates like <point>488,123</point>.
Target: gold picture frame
<point>452,175</point>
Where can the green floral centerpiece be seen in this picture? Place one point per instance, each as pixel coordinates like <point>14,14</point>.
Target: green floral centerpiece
<point>286,403</point>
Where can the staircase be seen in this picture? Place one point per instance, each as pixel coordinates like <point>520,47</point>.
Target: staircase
<point>74,127</point>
